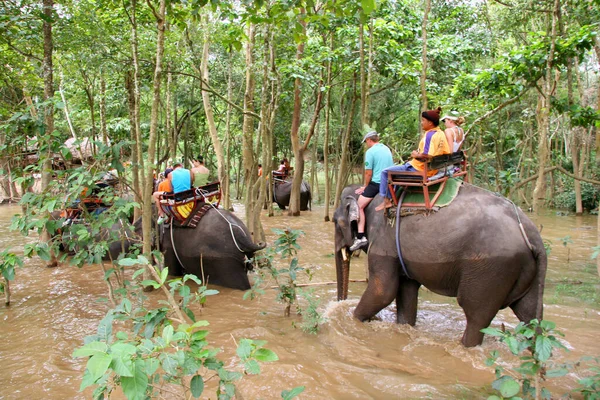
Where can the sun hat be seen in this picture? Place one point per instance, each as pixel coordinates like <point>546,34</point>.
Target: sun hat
<point>451,117</point>
<point>369,135</point>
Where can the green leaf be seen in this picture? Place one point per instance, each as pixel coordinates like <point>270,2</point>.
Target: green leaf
<point>509,388</point>
<point>150,282</point>
<point>513,344</point>
<point>137,273</point>
<point>91,349</point>
<point>197,386</point>
<point>167,334</point>
<point>244,349</point>
<point>265,355</point>
<point>151,365</point>
<point>135,387</point>
<point>494,397</point>
<point>252,367</point>
<point>163,275</point>
<point>198,324</point>
<point>492,331</point>
<point>98,364</point>
<point>547,325</point>
<point>192,278</point>
<point>210,292</point>
<point>543,348</point>
<point>290,394</point>
<point>368,6</point>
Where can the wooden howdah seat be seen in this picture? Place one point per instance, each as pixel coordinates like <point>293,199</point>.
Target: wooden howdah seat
<point>180,205</point>
<point>448,165</point>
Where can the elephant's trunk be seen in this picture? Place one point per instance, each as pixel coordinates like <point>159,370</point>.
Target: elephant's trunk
<point>342,262</point>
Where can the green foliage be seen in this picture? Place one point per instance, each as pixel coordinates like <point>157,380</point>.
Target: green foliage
<point>160,350</point>
<point>534,343</point>
<point>286,278</point>
<point>589,386</point>
<point>590,195</point>
<point>9,261</point>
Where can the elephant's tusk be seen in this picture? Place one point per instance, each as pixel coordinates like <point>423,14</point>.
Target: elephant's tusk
<point>345,253</point>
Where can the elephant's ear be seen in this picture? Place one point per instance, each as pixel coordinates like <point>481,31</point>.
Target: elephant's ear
<point>352,208</point>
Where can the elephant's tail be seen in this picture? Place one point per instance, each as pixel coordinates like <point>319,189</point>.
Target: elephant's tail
<point>541,260</point>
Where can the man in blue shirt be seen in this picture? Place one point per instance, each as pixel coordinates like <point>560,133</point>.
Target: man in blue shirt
<point>181,178</point>
<point>377,158</point>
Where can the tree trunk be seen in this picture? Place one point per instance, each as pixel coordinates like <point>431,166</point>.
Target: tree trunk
<point>544,118</point>
<point>340,181</point>
<point>363,76</point>
<point>210,119</point>
<point>250,165</point>
<point>103,130</point>
<point>424,56</point>
<point>226,188</point>
<point>147,219</point>
<point>48,74</point>
<point>574,142</point>
<point>138,160</point>
<point>327,198</point>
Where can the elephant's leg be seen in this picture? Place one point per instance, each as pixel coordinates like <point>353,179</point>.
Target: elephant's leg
<point>526,307</point>
<point>480,304</point>
<point>381,289</point>
<point>172,263</point>
<point>406,302</point>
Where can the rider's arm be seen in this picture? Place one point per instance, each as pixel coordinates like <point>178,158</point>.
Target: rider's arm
<point>368,176</point>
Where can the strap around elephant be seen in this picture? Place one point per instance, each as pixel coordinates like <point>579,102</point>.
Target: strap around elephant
<point>398,218</point>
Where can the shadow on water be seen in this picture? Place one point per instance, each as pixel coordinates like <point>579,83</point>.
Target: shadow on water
<point>53,309</point>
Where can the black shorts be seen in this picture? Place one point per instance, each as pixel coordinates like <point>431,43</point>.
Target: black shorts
<point>371,190</point>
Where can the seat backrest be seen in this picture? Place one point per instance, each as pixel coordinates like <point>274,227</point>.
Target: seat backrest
<point>444,160</point>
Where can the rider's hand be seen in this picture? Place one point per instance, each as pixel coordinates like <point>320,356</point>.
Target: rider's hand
<point>360,190</point>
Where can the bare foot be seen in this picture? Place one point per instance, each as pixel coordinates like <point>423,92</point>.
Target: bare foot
<point>387,203</point>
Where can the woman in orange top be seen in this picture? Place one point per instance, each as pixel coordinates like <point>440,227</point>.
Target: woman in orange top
<point>433,143</point>
<point>163,188</point>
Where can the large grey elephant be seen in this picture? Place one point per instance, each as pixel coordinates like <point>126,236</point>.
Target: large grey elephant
<point>218,249</point>
<point>282,192</point>
<point>119,236</point>
<point>473,249</point>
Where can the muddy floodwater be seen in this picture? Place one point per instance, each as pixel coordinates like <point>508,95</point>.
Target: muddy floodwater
<point>52,311</point>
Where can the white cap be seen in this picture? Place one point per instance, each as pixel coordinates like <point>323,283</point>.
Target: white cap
<point>368,135</point>
<point>449,117</point>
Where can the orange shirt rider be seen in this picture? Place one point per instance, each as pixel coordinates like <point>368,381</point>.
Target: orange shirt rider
<point>433,143</point>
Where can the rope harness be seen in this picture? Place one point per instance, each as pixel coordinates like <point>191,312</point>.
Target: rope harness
<point>230,231</point>
<point>398,218</point>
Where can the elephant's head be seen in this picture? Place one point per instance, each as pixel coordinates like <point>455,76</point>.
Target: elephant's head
<point>346,220</point>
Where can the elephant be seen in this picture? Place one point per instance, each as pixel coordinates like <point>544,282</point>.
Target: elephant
<point>481,249</point>
<point>282,191</point>
<point>120,236</point>
<point>217,250</point>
